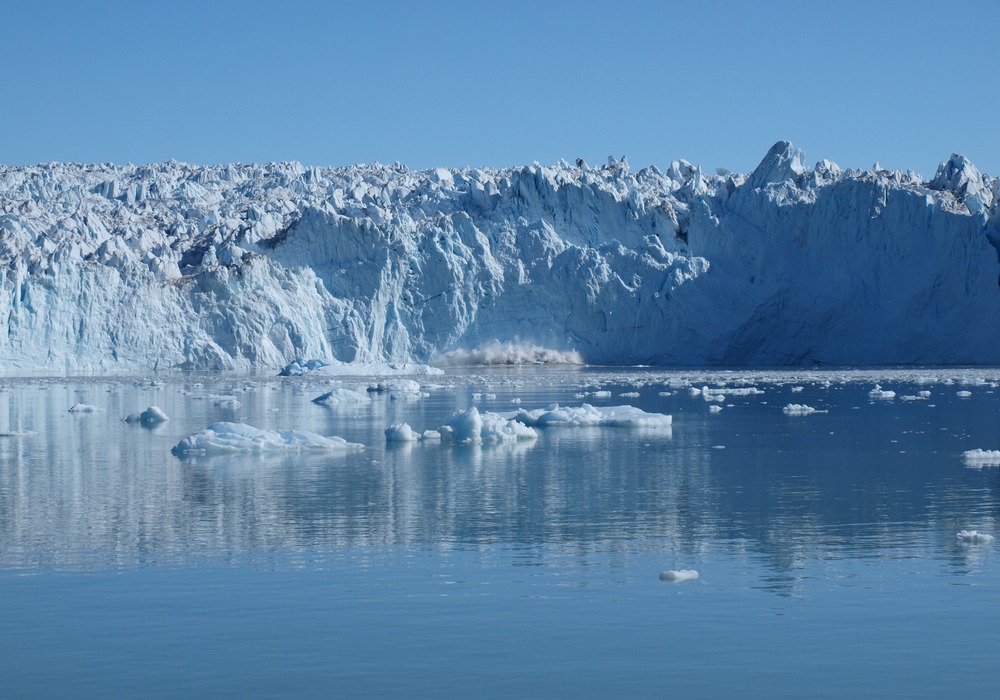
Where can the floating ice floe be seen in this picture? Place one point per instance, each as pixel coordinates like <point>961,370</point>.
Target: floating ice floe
<point>601,394</point>
<point>800,409</point>
<point>398,388</point>
<point>222,438</point>
<point>963,394</point>
<point>973,537</point>
<point>981,458</point>
<point>472,427</point>
<point>715,408</point>
<point>613,416</point>
<point>84,408</point>
<point>679,575</point>
<point>151,416</point>
<point>402,432</point>
<point>879,393</point>
<point>342,395</point>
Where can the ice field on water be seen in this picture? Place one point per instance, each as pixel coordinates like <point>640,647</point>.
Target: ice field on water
<point>790,532</point>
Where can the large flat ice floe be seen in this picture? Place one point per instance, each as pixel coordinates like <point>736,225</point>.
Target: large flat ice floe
<point>223,438</point>
<point>379,269</point>
<point>585,414</point>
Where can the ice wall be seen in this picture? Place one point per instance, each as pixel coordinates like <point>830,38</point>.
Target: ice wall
<point>239,266</point>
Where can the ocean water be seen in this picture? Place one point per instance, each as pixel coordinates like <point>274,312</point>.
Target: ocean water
<point>826,545</point>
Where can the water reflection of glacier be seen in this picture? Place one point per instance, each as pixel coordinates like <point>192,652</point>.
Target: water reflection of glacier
<point>864,481</point>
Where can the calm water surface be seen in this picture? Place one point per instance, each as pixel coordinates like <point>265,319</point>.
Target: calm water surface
<point>826,544</point>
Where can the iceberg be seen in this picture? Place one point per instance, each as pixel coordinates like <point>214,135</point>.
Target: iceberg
<point>472,427</point>
<point>282,266</point>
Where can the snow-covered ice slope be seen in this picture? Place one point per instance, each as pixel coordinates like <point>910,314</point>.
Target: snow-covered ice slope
<point>239,266</point>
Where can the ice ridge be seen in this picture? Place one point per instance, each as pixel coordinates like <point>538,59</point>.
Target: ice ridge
<point>235,266</point>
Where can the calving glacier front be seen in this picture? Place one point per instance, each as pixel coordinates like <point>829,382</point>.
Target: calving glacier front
<point>239,266</point>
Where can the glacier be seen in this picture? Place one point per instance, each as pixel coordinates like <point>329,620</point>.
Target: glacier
<point>144,267</point>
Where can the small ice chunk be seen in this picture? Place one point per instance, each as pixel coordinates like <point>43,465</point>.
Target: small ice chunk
<point>222,438</point>
<point>678,575</point>
<point>150,417</point>
<point>715,408</point>
<point>601,394</point>
<point>973,537</point>
<point>982,458</point>
<point>963,394</point>
<point>341,395</point>
<point>800,409</point>
<point>402,432</point>
<point>879,393</point>
<point>797,389</point>
<point>84,408</point>
<point>395,386</point>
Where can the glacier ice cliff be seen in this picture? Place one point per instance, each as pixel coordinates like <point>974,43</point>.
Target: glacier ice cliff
<point>109,267</point>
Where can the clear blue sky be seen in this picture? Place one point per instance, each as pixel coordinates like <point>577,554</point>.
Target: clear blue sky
<point>459,83</point>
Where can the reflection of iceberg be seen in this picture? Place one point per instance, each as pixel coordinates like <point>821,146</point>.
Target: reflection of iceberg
<point>614,416</point>
<point>240,437</point>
